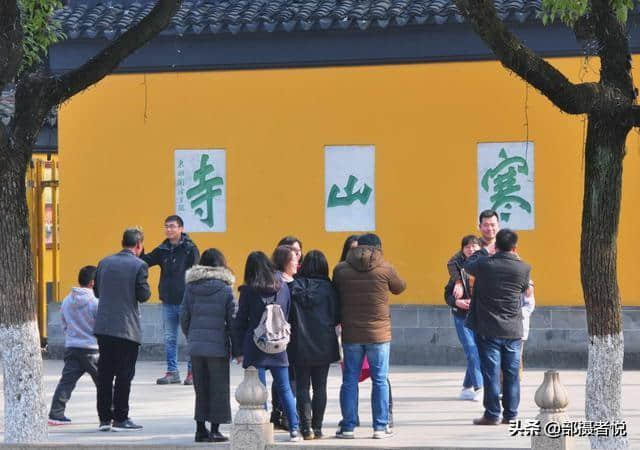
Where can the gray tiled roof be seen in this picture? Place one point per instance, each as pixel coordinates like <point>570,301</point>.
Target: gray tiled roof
<point>109,18</point>
<point>7,108</point>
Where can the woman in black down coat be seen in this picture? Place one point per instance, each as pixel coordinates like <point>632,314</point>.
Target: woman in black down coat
<point>206,315</point>
<point>314,315</point>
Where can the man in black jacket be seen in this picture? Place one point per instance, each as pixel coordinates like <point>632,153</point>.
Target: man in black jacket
<point>174,256</point>
<point>496,317</point>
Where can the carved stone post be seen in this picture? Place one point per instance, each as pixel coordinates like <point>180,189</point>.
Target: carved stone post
<point>552,398</point>
<point>251,427</point>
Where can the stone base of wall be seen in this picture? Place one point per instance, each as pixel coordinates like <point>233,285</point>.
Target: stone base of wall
<point>425,335</point>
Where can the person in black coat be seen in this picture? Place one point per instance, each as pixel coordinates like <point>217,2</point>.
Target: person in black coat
<point>496,317</point>
<point>205,317</point>
<point>263,285</point>
<point>472,383</point>
<point>314,344</point>
<point>175,255</point>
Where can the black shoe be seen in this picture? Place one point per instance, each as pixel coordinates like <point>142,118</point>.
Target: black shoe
<point>216,436</point>
<point>308,435</point>
<point>105,426</point>
<point>275,419</point>
<point>63,420</point>
<point>284,423</point>
<point>126,425</point>
<point>484,421</point>
<point>203,436</point>
<point>318,433</point>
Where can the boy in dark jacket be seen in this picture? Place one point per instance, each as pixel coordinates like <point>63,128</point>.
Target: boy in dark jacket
<point>175,256</point>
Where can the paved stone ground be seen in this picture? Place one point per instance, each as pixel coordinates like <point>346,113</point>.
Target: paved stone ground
<point>426,410</point>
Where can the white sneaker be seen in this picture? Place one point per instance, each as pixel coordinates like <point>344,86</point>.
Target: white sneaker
<point>467,394</point>
<point>478,395</point>
<point>340,434</point>
<point>383,434</point>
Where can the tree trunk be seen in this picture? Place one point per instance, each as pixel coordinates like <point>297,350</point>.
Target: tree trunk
<point>605,150</point>
<point>24,407</point>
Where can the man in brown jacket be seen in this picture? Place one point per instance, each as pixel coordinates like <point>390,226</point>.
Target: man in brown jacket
<point>364,281</point>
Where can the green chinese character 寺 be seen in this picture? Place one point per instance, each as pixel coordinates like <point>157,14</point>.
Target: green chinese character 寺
<point>203,191</point>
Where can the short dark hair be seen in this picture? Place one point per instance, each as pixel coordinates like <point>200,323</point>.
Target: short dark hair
<point>506,240</point>
<point>213,257</point>
<point>315,265</point>
<point>175,218</point>
<point>487,214</point>
<point>86,275</point>
<point>259,273</point>
<point>282,256</point>
<point>348,242</point>
<point>469,239</point>
<point>132,237</point>
<point>290,240</point>
<point>370,239</point>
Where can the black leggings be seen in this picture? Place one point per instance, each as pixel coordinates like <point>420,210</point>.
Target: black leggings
<point>311,412</point>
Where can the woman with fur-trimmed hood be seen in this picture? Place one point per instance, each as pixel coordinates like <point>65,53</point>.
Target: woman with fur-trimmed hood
<point>206,314</point>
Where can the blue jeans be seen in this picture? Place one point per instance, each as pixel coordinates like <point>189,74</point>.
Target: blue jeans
<point>281,383</point>
<point>378,356</point>
<point>500,354</point>
<point>473,375</point>
<point>171,323</point>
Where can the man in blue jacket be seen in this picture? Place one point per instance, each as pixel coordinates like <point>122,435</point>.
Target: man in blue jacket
<point>175,256</point>
<point>121,284</point>
<point>496,317</point>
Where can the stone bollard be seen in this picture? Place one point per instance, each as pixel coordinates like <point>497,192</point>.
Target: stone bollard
<point>251,427</point>
<point>552,398</point>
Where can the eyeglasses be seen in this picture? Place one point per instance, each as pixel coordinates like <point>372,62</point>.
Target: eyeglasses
<point>171,226</point>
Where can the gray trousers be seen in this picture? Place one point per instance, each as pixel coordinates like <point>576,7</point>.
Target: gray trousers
<point>211,383</point>
<point>77,362</point>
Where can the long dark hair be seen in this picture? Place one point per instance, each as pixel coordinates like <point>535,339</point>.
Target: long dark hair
<point>282,256</point>
<point>213,258</point>
<point>314,265</point>
<point>347,246</point>
<point>259,273</point>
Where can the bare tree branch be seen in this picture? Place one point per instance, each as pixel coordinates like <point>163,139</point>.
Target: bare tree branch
<point>10,41</point>
<point>514,55</point>
<point>108,59</point>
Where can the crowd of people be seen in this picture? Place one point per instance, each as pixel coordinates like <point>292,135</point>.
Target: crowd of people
<point>291,319</point>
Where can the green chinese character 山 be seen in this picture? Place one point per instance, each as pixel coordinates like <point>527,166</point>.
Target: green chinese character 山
<point>350,197</point>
